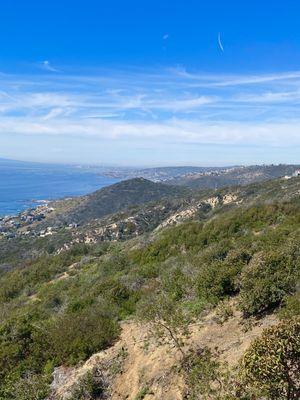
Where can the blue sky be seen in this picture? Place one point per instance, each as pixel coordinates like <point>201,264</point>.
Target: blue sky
<point>150,82</point>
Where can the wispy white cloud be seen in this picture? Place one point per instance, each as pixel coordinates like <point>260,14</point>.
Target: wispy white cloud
<point>168,105</point>
<point>48,66</point>
<point>55,113</point>
<point>220,80</point>
<point>173,131</point>
<point>270,97</point>
<point>220,42</point>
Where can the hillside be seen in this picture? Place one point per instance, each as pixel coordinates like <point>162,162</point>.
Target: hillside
<point>110,214</point>
<point>118,197</point>
<point>173,307</point>
<point>151,371</point>
<point>160,174</point>
<point>234,176</point>
<point>77,219</point>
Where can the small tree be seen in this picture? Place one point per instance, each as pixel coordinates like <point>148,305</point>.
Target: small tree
<point>272,363</point>
<point>168,322</point>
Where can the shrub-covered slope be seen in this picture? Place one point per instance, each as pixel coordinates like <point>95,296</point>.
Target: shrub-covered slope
<point>49,228</point>
<point>117,197</point>
<point>60,309</point>
<point>33,234</point>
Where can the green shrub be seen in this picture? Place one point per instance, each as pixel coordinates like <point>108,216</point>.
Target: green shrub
<point>266,280</point>
<point>18,348</point>
<point>272,363</point>
<point>291,307</point>
<point>201,372</point>
<point>175,281</point>
<point>92,386</point>
<point>31,387</point>
<point>208,378</point>
<point>219,276</point>
<point>73,337</point>
<point>217,281</point>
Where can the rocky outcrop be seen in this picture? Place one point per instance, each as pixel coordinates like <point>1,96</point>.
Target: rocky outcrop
<point>191,211</point>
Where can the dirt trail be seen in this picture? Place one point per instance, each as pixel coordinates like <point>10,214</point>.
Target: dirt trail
<point>150,369</point>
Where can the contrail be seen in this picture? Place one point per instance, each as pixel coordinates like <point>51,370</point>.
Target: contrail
<point>220,43</point>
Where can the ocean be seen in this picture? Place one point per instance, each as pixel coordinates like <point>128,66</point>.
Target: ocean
<point>25,185</point>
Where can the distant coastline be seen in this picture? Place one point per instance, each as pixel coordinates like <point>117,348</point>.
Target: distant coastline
<point>29,185</point>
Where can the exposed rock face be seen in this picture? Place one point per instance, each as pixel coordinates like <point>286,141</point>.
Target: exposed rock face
<point>229,198</point>
<point>179,217</point>
<point>191,211</point>
<point>61,377</point>
<point>121,227</point>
